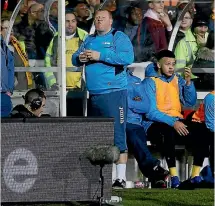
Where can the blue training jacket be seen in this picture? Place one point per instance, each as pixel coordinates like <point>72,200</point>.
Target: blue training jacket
<point>135,108</point>
<point>109,73</point>
<point>209,111</point>
<point>7,68</point>
<point>187,94</point>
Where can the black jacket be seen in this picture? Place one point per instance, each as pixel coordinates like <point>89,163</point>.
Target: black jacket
<point>20,111</point>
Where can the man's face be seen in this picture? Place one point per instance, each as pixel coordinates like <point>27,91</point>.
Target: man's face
<point>187,21</point>
<point>103,21</point>
<point>94,2</point>
<point>37,12</point>
<point>201,30</point>
<point>71,24</point>
<point>54,9</point>
<point>157,6</point>
<point>82,11</point>
<point>4,27</point>
<point>39,111</point>
<point>136,16</point>
<point>167,66</point>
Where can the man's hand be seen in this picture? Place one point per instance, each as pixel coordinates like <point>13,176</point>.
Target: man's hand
<point>165,19</point>
<point>201,41</point>
<point>187,75</point>
<point>83,57</point>
<point>181,128</point>
<point>92,55</point>
<point>9,94</point>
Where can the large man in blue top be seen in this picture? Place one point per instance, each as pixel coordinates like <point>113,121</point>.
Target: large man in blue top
<point>106,55</point>
<point>164,123</point>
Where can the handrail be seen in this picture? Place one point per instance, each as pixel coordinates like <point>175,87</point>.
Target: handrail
<point>12,20</point>
<point>46,69</point>
<point>79,69</point>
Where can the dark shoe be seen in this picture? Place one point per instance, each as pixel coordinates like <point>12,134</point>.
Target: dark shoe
<point>160,173</point>
<point>119,184</point>
<point>159,177</point>
<point>191,184</point>
<point>175,182</point>
<point>158,184</point>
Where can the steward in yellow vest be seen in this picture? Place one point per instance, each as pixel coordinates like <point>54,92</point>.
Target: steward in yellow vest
<point>187,48</point>
<point>164,123</point>
<point>74,37</point>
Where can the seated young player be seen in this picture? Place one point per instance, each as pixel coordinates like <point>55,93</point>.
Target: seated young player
<point>163,121</point>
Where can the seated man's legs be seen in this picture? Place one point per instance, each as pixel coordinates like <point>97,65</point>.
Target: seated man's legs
<point>164,136</point>
<point>136,140</point>
<point>197,140</point>
<point>211,154</point>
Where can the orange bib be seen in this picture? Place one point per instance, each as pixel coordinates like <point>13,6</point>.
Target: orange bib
<point>167,97</point>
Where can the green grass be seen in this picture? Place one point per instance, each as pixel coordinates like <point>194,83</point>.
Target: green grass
<point>166,197</point>
<point>152,197</point>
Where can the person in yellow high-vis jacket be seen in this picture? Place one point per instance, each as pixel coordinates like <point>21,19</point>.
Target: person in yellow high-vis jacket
<point>74,37</point>
<point>187,48</point>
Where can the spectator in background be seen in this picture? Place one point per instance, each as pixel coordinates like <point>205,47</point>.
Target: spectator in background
<point>187,48</point>
<point>180,6</point>
<point>35,100</point>
<point>94,5</point>
<point>7,78</point>
<point>118,20</point>
<point>164,122</point>
<point>111,6</point>
<point>133,28</point>
<point>205,59</point>
<point>82,12</point>
<point>106,55</point>
<point>53,18</point>
<point>155,25</point>
<point>200,30</point>
<point>74,38</point>
<point>35,34</point>
<point>136,136</point>
<point>34,31</point>
<point>184,29</point>
<point>23,80</point>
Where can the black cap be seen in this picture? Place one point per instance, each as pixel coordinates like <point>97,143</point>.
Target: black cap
<point>164,53</point>
<point>200,21</point>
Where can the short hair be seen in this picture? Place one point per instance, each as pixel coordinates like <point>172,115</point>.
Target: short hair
<point>33,94</point>
<point>99,10</point>
<point>131,8</point>
<point>210,40</point>
<point>164,53</point>
<point>188,11</point>
<point>71,11</point>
